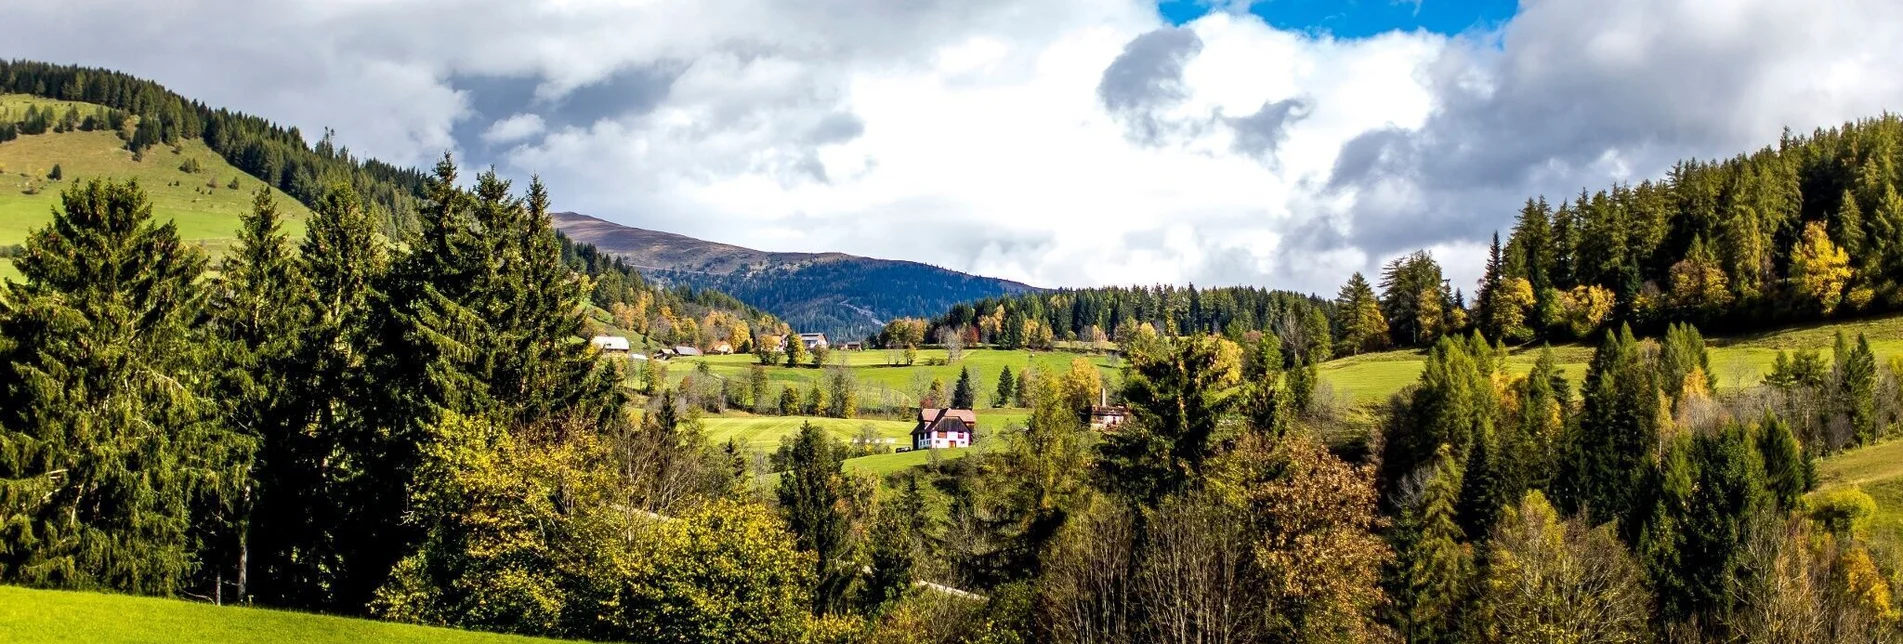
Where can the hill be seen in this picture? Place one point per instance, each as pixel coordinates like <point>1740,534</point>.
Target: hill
<point>46,616</point>
<point>203,202</point>
<point>843,296</point>
<point>1739,360</point>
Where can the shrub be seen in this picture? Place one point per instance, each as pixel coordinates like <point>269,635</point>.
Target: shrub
<point>1842,511</point>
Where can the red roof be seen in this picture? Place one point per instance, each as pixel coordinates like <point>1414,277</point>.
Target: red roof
<point>945,420</point>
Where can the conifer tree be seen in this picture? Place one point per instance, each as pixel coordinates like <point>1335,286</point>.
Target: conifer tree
<point>1007,388</point>
<point>963,395</point>
<point>1617,434</point>
<point>1364,328</point>
<point>1856,377</point>
<point>109,449</point>
<point>1177,394</point>
<point>259,314</point>
<point>1783,462</point>
<point>1436,564</point>
<point>816,498</point>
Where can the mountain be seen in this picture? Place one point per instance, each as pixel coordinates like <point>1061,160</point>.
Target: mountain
<point>844,296</point>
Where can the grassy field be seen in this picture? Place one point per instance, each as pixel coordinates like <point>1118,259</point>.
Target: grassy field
<point>204,214</point>
<point>883,464</point>
<point>1738,361</point>
<point>885,385</point>
<point>1878,469</point>
<point>765,432</point>
<point>45,617</point>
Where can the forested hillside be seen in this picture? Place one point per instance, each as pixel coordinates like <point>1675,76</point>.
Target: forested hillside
<point>844,296</point>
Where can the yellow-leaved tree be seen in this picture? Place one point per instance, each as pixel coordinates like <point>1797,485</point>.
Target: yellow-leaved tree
<point>1819,269</point>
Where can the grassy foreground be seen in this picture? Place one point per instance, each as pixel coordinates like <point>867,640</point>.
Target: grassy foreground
<point>47,616</point>
<point>1878,469</point>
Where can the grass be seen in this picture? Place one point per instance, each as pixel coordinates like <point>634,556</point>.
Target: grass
<point>765,432</point>
<point>46,616</point>
<point>885,385</point>
<point>206,215</point>
<point>1878,469</point>
<point>1738,361</point>
<point>883,464</point>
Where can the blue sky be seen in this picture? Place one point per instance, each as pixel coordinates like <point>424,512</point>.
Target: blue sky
<point>1360,18</point>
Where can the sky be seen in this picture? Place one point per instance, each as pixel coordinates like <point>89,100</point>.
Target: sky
<point>1279,143</point>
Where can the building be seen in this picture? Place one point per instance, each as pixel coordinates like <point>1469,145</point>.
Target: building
<point>813,340</point>
<point>610,343</point>
<point>684,350</point>
<point>944,428</point>
<point>851,346</point>
<point>1108,417</point>
<point>723,348</point>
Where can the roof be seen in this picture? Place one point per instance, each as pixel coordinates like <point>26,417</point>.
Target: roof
<point>610,342</point>
<point>932,419</point>
<point>1112,410</point>
<point>809,336</point>
<point>686,350</point>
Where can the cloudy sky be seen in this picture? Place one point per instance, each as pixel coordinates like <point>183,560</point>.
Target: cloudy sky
<point>1058,142</point>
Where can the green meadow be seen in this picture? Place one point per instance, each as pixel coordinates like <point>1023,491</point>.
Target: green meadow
<point>203,205</point>
<point>49,617</point>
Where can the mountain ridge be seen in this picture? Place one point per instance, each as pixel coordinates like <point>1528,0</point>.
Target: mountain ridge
<point>842,295</point>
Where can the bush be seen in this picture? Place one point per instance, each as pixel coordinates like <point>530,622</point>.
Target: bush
<point>1843,510</point>
<point>190,166</point>
<point>56,174</point>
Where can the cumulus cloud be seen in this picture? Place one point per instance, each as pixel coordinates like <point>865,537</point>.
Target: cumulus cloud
<point>1059,142</point>
<point>514,128</point>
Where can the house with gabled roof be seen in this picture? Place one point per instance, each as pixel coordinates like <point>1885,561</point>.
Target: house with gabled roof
<point>939,428</point>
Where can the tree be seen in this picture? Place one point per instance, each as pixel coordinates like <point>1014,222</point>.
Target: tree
<point>795,352</point>
<point>934,396</point>
<point>963,395</point>
<point>842,400</point>
<point>1007,389</point>
<point>56,174</point>
<point>259,315</point>
<point>818,500</point>
<point>1549,579</point>
<point>1619,430</point>
<point>1436,565</point>
<point>1819,269</point>
<point>759,385</point>
<point>723,572</point>
<point>1856,385</point>
<point>1364,328</point>
<point>112,451</point>
<point>1698,282</point>
<point>1177,397</point>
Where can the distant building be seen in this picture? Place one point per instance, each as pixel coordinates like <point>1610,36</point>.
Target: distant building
<point>851,346</point>
<point>939,428</point>
<point>773,342</point>
<point>1108,417</point>
<point>612,343</point>
<point>637,356</point>
<point>813,340</point>
<point>723,348</point>
<point>684,350</point>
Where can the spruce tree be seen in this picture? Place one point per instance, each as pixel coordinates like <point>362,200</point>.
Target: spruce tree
<point>1784,462</point>
<point>109,448</point>
<point>1436,563</point>
<point>259,315</point>
<point>1617,434</point>
<point>1855,396</point>
<point>1007,389</point>
<point>815,497</point>
<point>963,395</point>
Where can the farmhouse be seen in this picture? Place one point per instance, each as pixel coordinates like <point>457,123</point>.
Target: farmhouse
<point>1108,417</point>
<point>610,343</point>
<point>723,348</point>
<point>851,346</point>
<point>684,350</point>
<point>944,428</point>
<point>813,340</point>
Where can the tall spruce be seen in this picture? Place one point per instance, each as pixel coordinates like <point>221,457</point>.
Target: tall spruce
<point>259,314</point>
<point>816,498</point>
<point>1436,563</point>
<point>1617,434</point>
<point>1007,389</point>
<point>964,396</point>
<point>110,452</point>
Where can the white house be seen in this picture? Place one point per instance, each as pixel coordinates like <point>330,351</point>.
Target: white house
<point>944,428</point>
<point>612,343</point>
<point>813,340</point>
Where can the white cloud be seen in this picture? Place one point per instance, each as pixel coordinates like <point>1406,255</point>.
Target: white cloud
<point>971,133</point>
<point>514,128</point>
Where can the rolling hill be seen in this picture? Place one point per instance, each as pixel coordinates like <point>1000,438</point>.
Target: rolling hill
<point>843,296</point>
